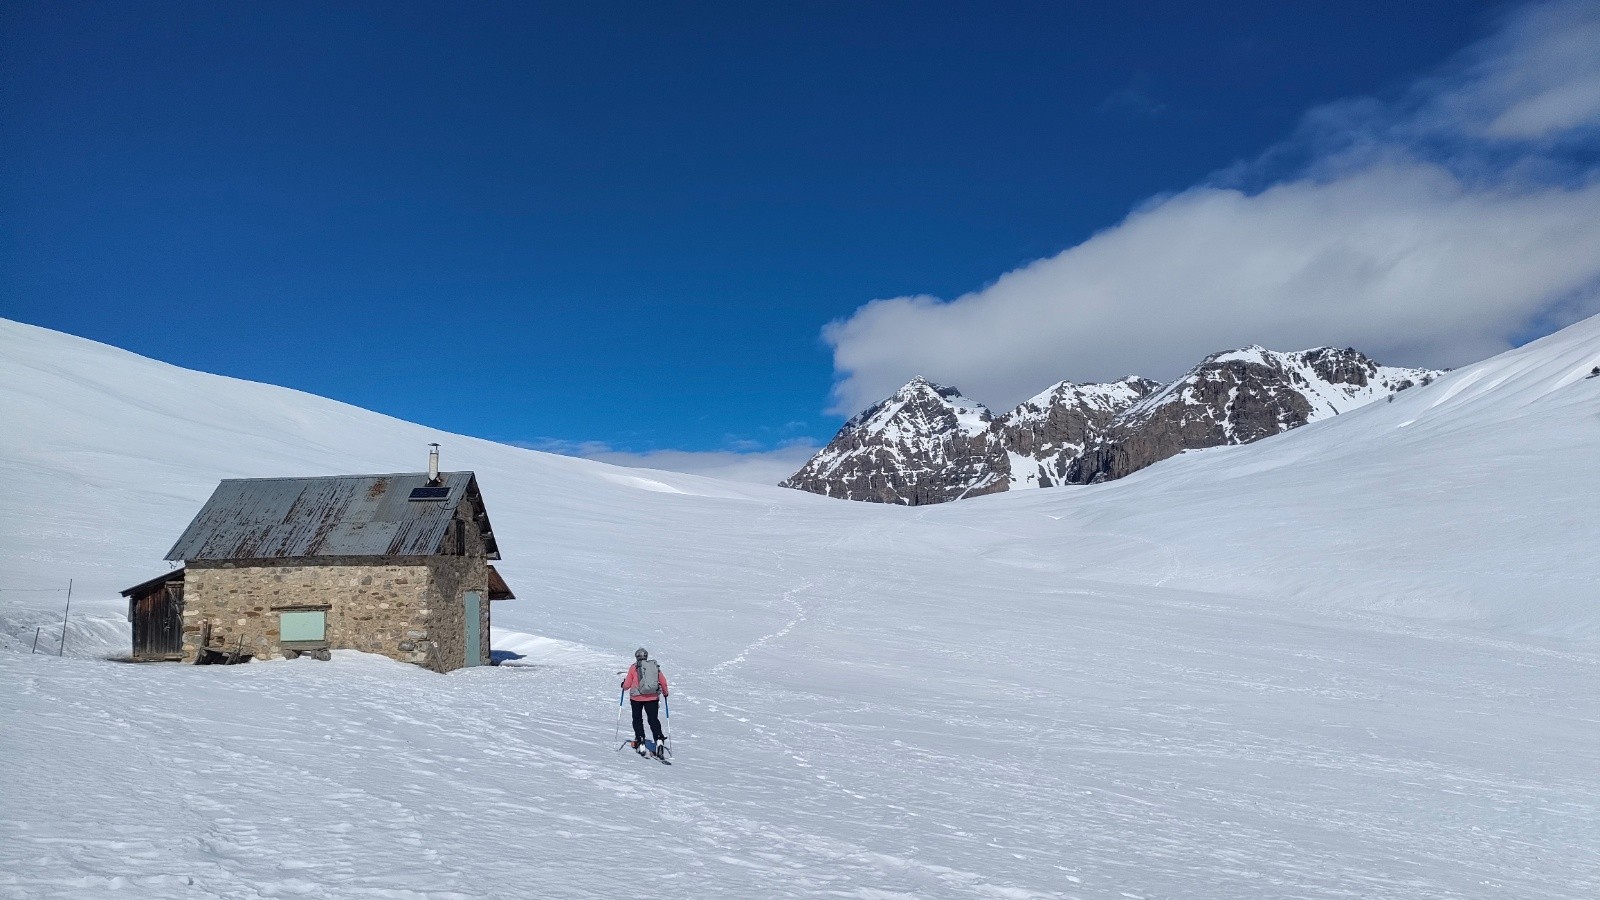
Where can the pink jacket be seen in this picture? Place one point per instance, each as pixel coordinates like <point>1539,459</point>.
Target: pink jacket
<point>633,679</point>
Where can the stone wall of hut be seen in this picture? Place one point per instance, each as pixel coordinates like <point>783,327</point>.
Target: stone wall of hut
<point>409,608</point>
<point>454,576</point>
<point>462,566</point>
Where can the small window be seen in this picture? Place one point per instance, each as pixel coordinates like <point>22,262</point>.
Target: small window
<point>303,625</point>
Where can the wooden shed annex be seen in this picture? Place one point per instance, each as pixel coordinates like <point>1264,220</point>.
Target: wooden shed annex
<point>390,564</point>
<point>155,610</point>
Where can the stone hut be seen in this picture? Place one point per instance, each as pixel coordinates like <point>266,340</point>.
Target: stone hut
<point>389,564</point>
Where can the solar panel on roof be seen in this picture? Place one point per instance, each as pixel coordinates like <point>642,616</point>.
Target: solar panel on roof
<point>429,493</point>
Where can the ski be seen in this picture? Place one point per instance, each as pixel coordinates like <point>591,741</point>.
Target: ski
<point>648,753</point>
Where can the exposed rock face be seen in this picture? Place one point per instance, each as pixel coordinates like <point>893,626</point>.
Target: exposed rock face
<point>1235,398</point>
<point>926,444</point>
<point>929,444</point>
<point>1045,434</point>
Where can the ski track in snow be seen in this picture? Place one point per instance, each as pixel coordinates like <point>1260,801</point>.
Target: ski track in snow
<point>758,643</point>
<point>788,597</point>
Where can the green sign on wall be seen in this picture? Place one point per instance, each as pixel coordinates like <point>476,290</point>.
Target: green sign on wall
<point>303,625</point>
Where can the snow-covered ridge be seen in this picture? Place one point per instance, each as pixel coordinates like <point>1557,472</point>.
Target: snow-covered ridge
<point>1333,381</point>
<point>1238,397</point>
<point>1113,396</point>
<point>928,443</point>
<point>103,438</point>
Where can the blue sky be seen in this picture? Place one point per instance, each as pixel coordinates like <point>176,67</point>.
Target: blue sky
<point>624,229</point>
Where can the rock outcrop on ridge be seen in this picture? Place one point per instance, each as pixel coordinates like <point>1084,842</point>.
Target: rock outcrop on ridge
<point>1235,398</point>
<point>929,444</point>
<point>1045,434</point>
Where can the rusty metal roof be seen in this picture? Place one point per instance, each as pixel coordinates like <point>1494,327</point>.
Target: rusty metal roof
<point>343,515</point>
<point>498,589</point>
<point>145,586</point>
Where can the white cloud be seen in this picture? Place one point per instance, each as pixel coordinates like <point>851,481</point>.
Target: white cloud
<point>1409,230</point>
<point>745,465</point>
<point>1537,78</point>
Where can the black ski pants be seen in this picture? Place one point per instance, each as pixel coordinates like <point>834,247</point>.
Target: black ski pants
<point>646,708</point>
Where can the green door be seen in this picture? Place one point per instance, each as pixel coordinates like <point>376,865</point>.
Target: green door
<point>474,604</point>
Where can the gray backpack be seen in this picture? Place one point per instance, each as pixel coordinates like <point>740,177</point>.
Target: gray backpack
<point>649,678</point>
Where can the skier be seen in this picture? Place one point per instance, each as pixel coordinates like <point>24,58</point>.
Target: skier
<point>646,685</point>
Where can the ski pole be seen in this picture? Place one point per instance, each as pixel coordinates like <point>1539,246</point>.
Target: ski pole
<point>617,734</point>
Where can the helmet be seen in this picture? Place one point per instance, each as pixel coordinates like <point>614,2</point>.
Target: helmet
<point>641,653</point>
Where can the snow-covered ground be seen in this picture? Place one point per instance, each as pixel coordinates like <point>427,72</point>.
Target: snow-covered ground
<point>1357,660</point>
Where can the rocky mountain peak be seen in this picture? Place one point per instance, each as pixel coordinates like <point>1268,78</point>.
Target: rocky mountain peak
<point>921,408</point>
<point>927,443</point>
<point>924,444</point>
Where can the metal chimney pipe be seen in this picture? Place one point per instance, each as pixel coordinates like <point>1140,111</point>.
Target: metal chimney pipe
<point>433,464</point>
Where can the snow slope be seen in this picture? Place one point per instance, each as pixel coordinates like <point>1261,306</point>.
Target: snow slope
<point>1358,660</point>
